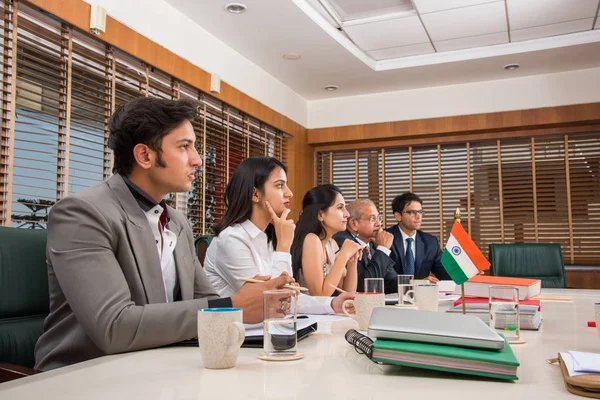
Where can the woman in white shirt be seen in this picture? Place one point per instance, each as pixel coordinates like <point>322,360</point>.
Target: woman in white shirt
<point>318,262</point>
<point>254,236</point>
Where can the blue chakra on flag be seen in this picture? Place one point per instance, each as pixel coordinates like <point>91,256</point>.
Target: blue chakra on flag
<point>456,250</point>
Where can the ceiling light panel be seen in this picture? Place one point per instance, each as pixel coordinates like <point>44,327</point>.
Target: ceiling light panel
<point>563,28</point>
<point>389,33</point>
<point>427,6</point>
<point>529,13</point>
<point>349,10</point>
<point>403,51</point>
<point>467,21</point>
<point>472,42</point>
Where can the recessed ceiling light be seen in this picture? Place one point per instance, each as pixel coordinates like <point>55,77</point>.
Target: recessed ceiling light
<point>291,56</point>
<point>235,8</point>
<point>511,67</point>
<point>331,88</point>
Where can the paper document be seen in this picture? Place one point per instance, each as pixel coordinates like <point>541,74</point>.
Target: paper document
<point>585,362</point>
<point>447,286</point>
<point>569,363</point>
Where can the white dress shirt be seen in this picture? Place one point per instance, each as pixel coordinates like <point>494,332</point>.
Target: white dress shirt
<point>412,245</point>
<point>242,251</point>
<point>165,244</point>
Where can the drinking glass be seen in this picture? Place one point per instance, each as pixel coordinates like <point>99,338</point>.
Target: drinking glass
<point>280,324</point>
<point>373,285</point>
<point>504,311</point>
<point>405,283</point>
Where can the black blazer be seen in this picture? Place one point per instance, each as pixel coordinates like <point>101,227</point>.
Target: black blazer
<point>427,259</point>
<point>380,266</point>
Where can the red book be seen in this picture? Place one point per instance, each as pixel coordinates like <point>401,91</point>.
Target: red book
<point>478,286</point>
<point>485,300</point>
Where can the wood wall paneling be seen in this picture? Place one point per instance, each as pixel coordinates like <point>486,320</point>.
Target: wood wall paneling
<point>511,122</point>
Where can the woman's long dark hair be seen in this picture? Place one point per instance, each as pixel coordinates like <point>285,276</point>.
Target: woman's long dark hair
<point>317,199</point>
<point>252,173</point>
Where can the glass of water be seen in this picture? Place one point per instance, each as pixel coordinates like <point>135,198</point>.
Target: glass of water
<point>405,283</point>
<point>280,324</point>
<point>374,285</point>
<point>504,311</point>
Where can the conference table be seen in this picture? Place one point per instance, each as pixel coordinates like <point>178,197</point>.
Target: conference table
<point>330,369</point>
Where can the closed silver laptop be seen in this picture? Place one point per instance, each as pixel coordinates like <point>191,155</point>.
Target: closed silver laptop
<point>433,327</point>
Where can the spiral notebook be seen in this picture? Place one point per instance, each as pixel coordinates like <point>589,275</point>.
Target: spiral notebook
<point>488,363</point>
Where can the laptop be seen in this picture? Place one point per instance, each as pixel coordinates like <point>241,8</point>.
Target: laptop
<point>433,327</point>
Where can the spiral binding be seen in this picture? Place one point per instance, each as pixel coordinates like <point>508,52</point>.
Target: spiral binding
<point>362,344</point>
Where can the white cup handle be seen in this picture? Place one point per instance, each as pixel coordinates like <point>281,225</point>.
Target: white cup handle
<point>410,299</point>
<point>349,301</point>
<point>237,328</point>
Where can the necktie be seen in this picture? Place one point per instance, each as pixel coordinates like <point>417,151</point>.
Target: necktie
<point>410,258</point>
<point>368,252</point>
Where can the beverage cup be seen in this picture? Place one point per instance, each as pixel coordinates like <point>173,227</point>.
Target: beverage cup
<point>280,324</point>
<point>425,296</point>
<point>220,336</point>
<point>364,303</point>
<point>405,283</point>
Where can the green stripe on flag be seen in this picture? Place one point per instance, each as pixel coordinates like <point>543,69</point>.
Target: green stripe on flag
<point>453,269</point>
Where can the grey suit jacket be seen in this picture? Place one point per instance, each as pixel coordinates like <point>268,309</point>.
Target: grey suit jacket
<point>106,287</point>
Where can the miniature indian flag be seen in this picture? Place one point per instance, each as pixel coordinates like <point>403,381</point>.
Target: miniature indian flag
<point>462,259</point>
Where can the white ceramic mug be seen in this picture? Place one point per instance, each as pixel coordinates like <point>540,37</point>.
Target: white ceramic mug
<point>364,303</point>
<point>220,336</point>
<point>425,296</point>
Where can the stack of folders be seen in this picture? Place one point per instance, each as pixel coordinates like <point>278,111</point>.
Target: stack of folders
<point>530,313</point>
<point>501,364</point>
<point>440,341</point>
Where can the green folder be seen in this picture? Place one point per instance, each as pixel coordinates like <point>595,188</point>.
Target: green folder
<point>501,364</point>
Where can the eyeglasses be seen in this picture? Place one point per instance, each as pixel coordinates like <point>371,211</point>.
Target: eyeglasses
<point>372,219</point>
<point>414,212</point>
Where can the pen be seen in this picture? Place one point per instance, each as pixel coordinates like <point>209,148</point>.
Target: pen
<point>338,289</point>
<point>287,286</point>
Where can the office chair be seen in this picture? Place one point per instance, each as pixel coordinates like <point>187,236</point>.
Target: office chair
<point>201,243</point>
<point>24,301</point>
<point>542,261</point>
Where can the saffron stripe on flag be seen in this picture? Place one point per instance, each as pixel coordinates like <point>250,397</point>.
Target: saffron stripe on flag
<point>478,259</point>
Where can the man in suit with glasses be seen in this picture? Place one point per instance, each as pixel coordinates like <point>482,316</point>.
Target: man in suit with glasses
<point>364,227</point>
<point>414,251</point>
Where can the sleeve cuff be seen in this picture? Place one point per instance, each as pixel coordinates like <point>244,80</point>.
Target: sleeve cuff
<point>384,250</point>
<point>328,308</point>
<point>220,303</point>
<point>282,256</point>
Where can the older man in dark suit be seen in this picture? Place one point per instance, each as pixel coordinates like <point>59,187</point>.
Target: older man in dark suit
<point>364,227</point>
<point>415,252</point>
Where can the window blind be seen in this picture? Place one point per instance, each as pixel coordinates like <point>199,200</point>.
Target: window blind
<point>543,188</point>
<point>59,87</point>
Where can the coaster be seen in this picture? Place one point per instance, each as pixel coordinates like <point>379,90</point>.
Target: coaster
<point>516,341</point>
<point>406,306</point>
<point>296,356</point>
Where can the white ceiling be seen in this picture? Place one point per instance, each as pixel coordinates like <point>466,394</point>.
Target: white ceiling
<point>468,40</point>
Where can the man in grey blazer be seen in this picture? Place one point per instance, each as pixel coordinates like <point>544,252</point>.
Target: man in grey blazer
<point>122,270</point>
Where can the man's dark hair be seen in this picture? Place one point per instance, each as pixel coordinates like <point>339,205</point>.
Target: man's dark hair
<point>145,120</point>
<point>403,200</point>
